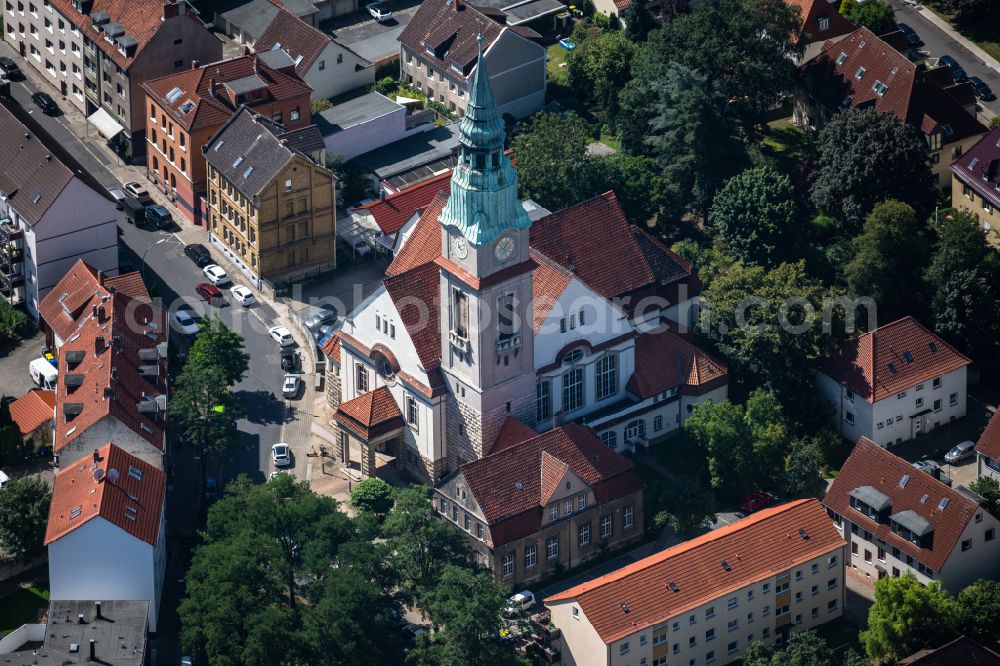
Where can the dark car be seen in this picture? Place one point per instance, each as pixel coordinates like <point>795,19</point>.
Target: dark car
<point>911,35</point>
<point>290,360</point>
<point>198,254</point>
<point>159,216</point>
<point>755,500</point>
<point>210,293</point>
<point>10,70</point>
<point>45,103</point>
<point>982,90</point>
<point>956,70</point>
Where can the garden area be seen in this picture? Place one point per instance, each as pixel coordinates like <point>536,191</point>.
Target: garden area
<point>24,605</point>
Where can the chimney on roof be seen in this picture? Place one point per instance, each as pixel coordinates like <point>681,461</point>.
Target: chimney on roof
<point>171,9</point>
<point>97,611</point>
<point>98,344</point>
<point>80,620</point>
<point>100,313</point>
<point>246,50</point>
<point>93,650</point>
<point>97,456</point>
<point>93,310</point>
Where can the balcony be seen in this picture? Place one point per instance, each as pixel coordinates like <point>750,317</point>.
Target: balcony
<point>509,344</point>
<point>10,282</point>
<point>9,231</point>
<point>10,254</point>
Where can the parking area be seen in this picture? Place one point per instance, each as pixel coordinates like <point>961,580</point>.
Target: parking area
<point>14,360</point>
<point>373,40</point>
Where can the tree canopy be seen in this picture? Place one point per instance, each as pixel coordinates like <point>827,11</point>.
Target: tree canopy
<point>852,176</point>
<point>804,648</point>
<point>756,214</point>
<point>908,616</point>
<point>218,346</point>
<point>638,21</point>
<point>374,495</point>
<point>24,513</point>
<point>597,66</point>
<point>875,15</point>
<point>980,614</point>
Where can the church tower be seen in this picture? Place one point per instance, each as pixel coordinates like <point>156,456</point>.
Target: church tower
<point>486,320</point>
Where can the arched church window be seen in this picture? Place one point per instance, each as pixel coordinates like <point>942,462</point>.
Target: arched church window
<point>383,366</point>
<point>573,357</point>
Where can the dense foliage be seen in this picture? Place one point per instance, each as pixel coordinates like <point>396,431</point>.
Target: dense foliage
<point>24,512</point>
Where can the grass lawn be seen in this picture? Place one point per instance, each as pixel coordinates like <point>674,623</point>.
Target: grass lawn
<point>985,32</point>
<point>785,139</point>
<point>22,606</point>
<point>840,634</point>
<point>557,56</point>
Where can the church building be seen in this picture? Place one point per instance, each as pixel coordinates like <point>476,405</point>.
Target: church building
<point>495,311</point>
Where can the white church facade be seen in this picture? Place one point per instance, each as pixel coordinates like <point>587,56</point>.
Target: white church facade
<point>490,314</point>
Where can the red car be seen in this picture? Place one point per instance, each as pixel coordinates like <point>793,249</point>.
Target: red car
<point>755,500</point>
<point>210,293</point>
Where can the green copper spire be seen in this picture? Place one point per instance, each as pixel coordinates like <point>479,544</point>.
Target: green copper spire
<point>483,199</point>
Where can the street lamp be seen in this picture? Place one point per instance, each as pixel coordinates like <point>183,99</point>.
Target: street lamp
<point>143,260</point>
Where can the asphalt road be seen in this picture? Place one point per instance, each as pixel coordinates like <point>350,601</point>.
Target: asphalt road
<point>937,44</point>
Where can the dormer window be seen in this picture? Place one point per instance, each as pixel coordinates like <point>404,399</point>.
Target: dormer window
<point>841,58</point>
<point>870,502</point>
<point>860,73</point>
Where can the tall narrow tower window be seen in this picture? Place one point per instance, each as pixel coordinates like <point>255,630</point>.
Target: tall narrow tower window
<point>460,313</point>
<point>505,316</point>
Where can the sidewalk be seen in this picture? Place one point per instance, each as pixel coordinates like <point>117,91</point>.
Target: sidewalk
<point>946,28</point>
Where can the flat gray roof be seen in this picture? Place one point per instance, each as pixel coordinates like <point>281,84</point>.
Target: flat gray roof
<point>412,152</point>
<point>872,497</point>
<point>245,84</point>
<point>355,112</point>
<point>914,522</point>
<point>252,18</point>
<point>531,10</point>
<point>276,58</point>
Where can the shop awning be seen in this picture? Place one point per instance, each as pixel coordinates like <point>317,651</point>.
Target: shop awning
<point>105,124</point>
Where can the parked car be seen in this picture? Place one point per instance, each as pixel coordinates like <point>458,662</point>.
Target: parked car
<point>324,333</point>
<point>960,452</point>
<point>216,275</point>
<point>281,454</point>
<point>136,190</point>
<point>281,335</point>
<point>185,322</point>
<point>210,293</point>
<point>379,11</point>
<point>119,196</point>
<point>290,386</point>
<point>911,35</point>
<point>198,253</point>
<point>242,295</point>
<point>523,600</point>
<point>326,314</point>
<point>290,360</point>
<point>10,70</point>
<point>956,70</point>
<point>982,90</point>
<point>211,488</point>
<point>415,630</point>
<point>45,102</point>
<point>160,217</point>
<point>927,465</point>
<point>755,500</point>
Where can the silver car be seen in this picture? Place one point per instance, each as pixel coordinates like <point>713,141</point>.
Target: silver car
<point>960,452</point>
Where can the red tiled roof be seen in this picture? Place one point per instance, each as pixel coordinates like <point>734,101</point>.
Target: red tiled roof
<point>979,167</point>
<point>548,281</point>
<point>508,484</point>
<point>423,245</point>
<point>871,465</point>
<point>875,365</point>
<point>213,108</point>
<point>140,18</point>
<point>963,650</point>
<point>111,383</point>
<point>512,433</point>
<point>129,284</point>
<point>296,37</point>
<point>450,29</point>
<point>391,213</point>
<point>989,442</point>
<point>331,348</point>
<point>757,547</point>
<point>33,410</point>
<point>664,360</point>
<point>416,295</point>
<point>621,5</point>
<point>912,96</point>
<point>812,11</point>
<point>75,489</point>
<point>370,414</point>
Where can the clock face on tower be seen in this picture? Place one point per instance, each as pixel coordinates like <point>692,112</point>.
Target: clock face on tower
<point>460,246</point>
<point>504,248</point>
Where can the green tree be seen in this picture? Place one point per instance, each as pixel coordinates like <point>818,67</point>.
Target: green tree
<point>804,648</point>
<point>744,445</point>
<point>756,215</point>
<point>989,489</point>
<point>11,442</point>
<point>962,278</point>
<point>551,154</point>
<point>980,611</point>
<point>745,49</point>
<point>421,544</point>
<point>24,511</point>
<point>374,495</point>
<point>908,616</point>
<point>875,15</point>
<point>638,21</point>
<point>218,346</point>
<point>802,469</point>
<point>14,323</point>
<point>637,182</point>
<point>672,113</point>
<point>467,608</point>
<point>851,177</point>
<point>888,261</point>
<point>598,67</point>
<point>683,505</point>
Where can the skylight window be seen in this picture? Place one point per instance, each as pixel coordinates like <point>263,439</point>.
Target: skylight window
<point>974,162</point>
<point>135,472</point>
<point>187,106</point>
<point>174,95</point>
<point>923,500</point>
<point>948,129</point>
<point>892,368</point>
<point>239,161</point>
<point>908,357</point>
<point>879,88</point>
<point>860,73</point>
<point>246,174</point>
<point>219,145</point>
<point>841,58</point>
<point>75,513</point>
<point>943,503</point>
<point>904,480</point>
<point>861,44</point>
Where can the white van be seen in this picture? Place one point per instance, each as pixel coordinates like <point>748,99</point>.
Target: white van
<point>523,600</point>
<point>43,374</point>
